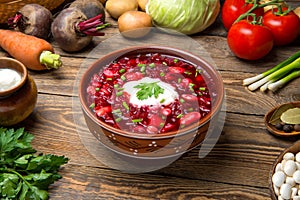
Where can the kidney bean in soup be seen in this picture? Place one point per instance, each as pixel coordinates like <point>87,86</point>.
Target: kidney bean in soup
<point>149,93</point>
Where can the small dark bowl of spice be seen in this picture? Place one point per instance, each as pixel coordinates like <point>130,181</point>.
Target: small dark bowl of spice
<point>284,120</point>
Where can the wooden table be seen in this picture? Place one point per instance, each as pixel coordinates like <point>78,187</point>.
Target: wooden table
<point>237,168</point>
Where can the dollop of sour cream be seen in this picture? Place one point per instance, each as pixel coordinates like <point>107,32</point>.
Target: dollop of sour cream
<point>168,96</point>
<point>9,78</point>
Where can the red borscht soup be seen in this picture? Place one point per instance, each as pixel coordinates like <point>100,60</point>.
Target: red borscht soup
<point>149,93</point>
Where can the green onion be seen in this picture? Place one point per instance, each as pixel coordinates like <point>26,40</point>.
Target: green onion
<point>202,88</point>
<point>263,78</point>
<point>118,119</point>
<point>116,85</point>
<point>143,68</point>
<point>152,65</point>
<point>276,75</point>
<point>122,70</point>
<point>97,89</point>
<point>278,84</point>
<point>180,115</point>
<point>181,100</point>
<point>162,74</point>
<point>123,78</point>
<point>198,71</point>
<point>162,124</point>
<point>137,120</point>
<point>116,111</point>
<point>179,80</point>
<point>125,105</point>
<point>108,79</point>
<point>188,73</point>
<point>164,63</point>
<point>119,93</point>
<point>141,65</point>
<point>175,60</point>
<point>92,105</point>
<point>163,100</point>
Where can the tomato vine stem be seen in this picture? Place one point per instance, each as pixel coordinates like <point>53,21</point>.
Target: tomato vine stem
<point>256,5</point>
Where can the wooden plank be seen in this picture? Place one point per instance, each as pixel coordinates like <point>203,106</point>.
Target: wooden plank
<point>95,183</point>
<point>242,153</point>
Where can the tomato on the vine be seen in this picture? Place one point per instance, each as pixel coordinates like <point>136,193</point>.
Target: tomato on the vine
<point>250,41</point>
<point>284,25</point>
<point>232,9</point>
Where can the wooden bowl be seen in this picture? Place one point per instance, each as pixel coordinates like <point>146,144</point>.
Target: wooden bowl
<point>142,144</point>
<point>294,148</point>
<point>272,129</point>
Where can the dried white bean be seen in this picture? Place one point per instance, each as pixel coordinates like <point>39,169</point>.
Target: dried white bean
<point>278,178</point>
<point>285,191</point>
<point>298,165</point>
<point>290,180</point>
<point>278,167</point>
<point>298,157</point>
<point>289,156</point>
<point>294,191</point>
<point>289,167</point>
<point>296,197</point>
<point>276,190</point>
<point>283,164</point>
<point>296,176</point>
<point>280,198</point>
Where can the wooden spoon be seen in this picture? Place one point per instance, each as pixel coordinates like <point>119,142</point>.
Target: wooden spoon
<point>272,129</point>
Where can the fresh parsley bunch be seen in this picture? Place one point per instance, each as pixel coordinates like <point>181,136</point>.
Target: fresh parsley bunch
<point>23,173</point>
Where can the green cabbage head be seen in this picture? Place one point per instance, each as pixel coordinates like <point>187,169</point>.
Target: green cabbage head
<point>185,16</point>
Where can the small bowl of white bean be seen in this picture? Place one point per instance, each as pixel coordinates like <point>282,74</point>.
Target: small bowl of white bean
<point>285,174</point>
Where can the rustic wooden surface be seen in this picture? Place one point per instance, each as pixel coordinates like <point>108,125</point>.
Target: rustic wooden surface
<point>237,167</point>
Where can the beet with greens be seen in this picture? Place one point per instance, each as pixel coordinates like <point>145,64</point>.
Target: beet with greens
<point>73,31</point>
<point>32,19</point>
<point>90,8</point>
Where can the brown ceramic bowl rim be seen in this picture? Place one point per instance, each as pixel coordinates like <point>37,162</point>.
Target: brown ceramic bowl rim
<point>23,71</point>
<point>271,128</point>
<point>117,54</point>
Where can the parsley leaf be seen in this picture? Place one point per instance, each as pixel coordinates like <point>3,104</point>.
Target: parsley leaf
<point>23,173</point>
<point>148,90</point>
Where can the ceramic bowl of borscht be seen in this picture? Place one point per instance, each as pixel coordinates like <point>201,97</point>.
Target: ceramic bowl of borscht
<point>150,101</point>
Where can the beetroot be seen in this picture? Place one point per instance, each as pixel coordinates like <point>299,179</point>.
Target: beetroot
<point>73,31</point>
<point>32,19</point>
<point>90,8</point>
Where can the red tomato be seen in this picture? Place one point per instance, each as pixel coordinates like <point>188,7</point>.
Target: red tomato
<point>285,28</point>
<point>232,9</point>
<point>250,41</point>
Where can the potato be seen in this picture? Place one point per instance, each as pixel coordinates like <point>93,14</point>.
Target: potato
<point>134,24</point>
<point>117,7</point>
<point>142,4</point>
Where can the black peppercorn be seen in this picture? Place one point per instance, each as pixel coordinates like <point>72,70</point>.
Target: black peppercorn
<point>279,126</point>
<point>297,127</point>
<point>288,128</point>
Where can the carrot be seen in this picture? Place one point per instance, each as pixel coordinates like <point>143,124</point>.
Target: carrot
<point>34,53</point>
